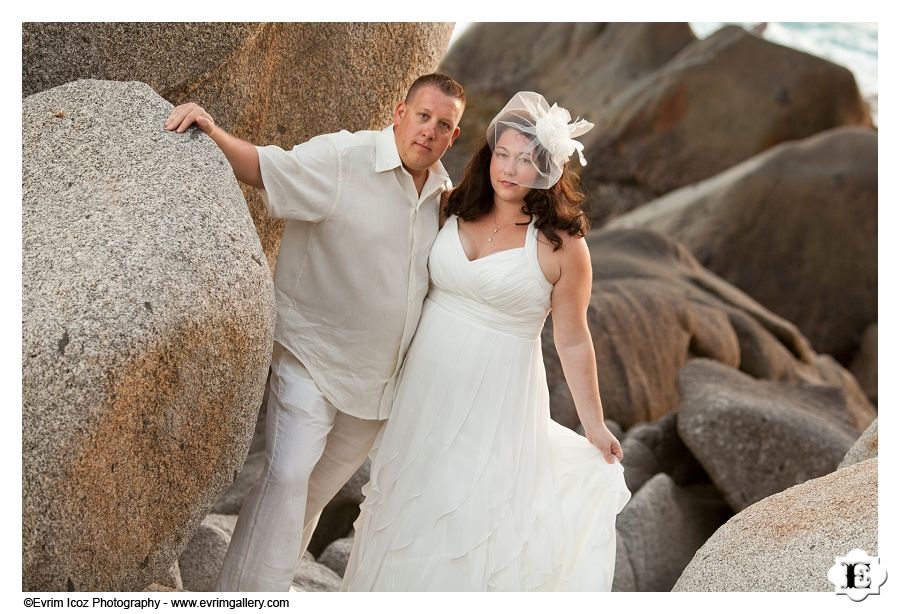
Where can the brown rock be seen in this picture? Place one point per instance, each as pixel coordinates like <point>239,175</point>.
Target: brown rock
<point>795,228</point>
<point>788,542</point>
<point>756,438</point>
<point>147,327</point>
<point>278,83</point>
<point>866,447</point>
<point>864,365</point>
<point>669,109</point>
<point>653,307</point>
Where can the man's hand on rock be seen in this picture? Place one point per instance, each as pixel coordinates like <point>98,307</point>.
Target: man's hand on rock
<point>182,116</point>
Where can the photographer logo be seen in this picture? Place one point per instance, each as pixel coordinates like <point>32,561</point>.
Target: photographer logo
<point>857,575</point>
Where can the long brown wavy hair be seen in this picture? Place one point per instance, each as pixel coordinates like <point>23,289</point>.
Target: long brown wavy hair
<point>556,208</point>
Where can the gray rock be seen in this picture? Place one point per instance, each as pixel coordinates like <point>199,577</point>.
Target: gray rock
<point>279,83</point>
<point>171,579</point>
<point>311,577</point>
<point>660,529</point>
<point>639,462</point>
<point>225,522</point>
<point>201,561</point>
<point>787,542</point>
<point>147,330</point>
<point>866,447</point>
<point>162,588</point>
<point>336,555</point>
<point>756,438</point>
<point>768,226</point>
<point>623,576</point>
<point>655,447</point>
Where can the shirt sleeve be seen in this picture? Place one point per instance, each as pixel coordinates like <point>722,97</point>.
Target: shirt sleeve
<point>303,183</point>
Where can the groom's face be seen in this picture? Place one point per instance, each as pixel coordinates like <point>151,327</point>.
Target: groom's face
<point>426,126</point>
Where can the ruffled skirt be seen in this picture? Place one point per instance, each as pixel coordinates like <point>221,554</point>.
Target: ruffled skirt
<point>473,487</point>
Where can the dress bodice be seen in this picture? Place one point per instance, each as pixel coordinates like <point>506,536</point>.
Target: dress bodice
<point>505,291</point>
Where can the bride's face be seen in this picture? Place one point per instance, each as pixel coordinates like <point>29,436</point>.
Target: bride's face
<point>512,165</point>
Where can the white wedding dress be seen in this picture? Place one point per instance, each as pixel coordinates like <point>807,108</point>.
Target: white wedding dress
<point>473,487</point>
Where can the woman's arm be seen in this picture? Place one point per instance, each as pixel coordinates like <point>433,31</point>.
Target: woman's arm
<point>569,304</point>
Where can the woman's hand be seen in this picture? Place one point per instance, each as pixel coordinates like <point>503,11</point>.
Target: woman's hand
<point>602,439</point>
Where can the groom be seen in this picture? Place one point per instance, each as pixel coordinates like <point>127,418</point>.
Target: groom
<point>362,213</point>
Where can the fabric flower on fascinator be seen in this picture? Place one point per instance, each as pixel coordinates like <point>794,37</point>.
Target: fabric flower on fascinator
<point>556,135</point>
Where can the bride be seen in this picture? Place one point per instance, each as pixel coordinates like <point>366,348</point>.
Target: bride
<point>473,487</point>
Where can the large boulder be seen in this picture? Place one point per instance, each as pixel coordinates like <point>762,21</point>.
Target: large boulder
<point>660,529</point>
<point>147,328</point>
<point>278,83</point>
<point>755,437</point>
<point>795,228</point>
<point>866,447</point>
<point>653,307</point>
<point>496,60</point>
<point>669,109</point>
<point>230,501</point>
<point>788,542</point>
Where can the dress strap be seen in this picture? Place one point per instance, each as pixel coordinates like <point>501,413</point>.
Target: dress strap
<point>531,245</point>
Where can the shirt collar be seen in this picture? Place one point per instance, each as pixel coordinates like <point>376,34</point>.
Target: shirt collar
<point>388,158</point>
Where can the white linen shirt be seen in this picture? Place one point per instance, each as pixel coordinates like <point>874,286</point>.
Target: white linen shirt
<point>352,271</point>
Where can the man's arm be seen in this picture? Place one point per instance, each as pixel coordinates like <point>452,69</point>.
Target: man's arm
<point>242,155</point>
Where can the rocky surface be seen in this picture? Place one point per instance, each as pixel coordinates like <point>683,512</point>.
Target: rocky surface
<point>866,447</point>
<point>201,561</point>
<point>655,447</point>
<point>807,210</point>
<point>336,555</point>
<point>313,577</point>
<point>669,109</point>
<point>660,529</point>
<point>756,438</point>
<point>864,365</point>
<point>278,83</point>
<point>653,307</point>
<point>787,542</point>
<point>146,335</point>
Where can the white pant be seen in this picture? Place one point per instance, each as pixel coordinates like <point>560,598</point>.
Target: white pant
<point>312,449</point>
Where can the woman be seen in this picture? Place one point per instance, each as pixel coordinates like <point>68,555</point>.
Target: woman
<point>473,486</point>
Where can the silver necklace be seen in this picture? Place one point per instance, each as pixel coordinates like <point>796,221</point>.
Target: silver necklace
<point>498,228</point>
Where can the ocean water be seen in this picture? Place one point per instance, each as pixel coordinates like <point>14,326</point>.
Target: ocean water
<point>852,45</point>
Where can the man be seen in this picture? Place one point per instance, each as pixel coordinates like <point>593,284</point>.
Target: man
<point>351,277</point>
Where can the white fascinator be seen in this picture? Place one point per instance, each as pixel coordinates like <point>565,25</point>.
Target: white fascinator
<point>549,137</point>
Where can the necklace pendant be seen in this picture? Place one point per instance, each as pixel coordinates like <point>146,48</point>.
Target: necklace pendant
<point>490,239</point>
